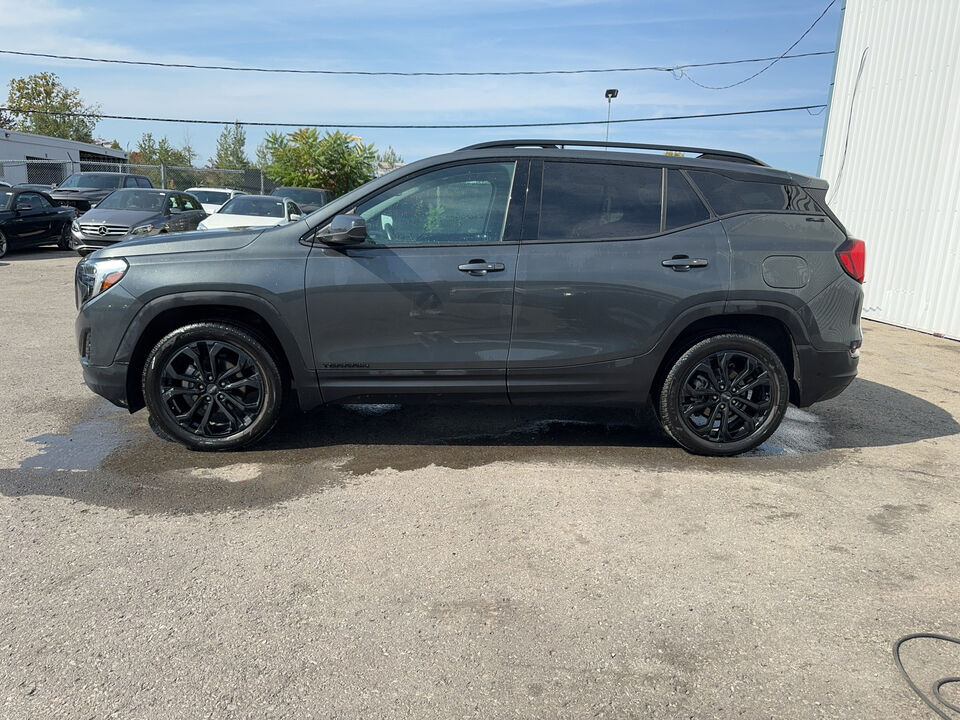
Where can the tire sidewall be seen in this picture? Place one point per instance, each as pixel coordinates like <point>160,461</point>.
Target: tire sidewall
<point>266,365</point>
<point>63,242</point>
<point>669,401</point>
<point>4,245</point>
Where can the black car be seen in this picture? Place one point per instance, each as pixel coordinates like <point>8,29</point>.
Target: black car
<point>128,213</point>
<point>309,199</point>
<point>83,190</point>
<point>528,272</point>
<point>29,218</point>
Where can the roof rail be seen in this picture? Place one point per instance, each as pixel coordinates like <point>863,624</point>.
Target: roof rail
<point>704,153</point>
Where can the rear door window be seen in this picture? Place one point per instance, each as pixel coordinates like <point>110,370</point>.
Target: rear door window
<point>684,206</point>
<point>597,201</point>
<point>729,196</point>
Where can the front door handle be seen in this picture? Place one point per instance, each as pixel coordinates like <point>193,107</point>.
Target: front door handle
<point>481,267</point>
<point>682,263</point>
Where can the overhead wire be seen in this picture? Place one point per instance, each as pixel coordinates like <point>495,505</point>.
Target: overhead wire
<point>451,126</point>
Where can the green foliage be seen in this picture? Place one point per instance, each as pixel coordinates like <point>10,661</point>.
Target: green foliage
<point>389,157</point>
<point>161,152</point>
<point>6,120</point>
<point>231,146</point>
<point>336,161</point>
<point>44,91</point>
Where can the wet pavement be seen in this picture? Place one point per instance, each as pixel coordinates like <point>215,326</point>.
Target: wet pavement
<point>434,561</point>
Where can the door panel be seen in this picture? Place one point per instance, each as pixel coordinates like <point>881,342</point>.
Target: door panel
<point>397,314</point>
<point>590,306</point>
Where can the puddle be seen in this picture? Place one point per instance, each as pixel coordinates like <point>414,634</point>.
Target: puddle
<point>800,432</point>
<point>83,448</point>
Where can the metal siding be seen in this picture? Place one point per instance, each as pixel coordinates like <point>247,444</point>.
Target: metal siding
<point>898,187</point>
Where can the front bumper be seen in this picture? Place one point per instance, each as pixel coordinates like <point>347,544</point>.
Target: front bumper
<point>822,375</point>
<point>109,382</point>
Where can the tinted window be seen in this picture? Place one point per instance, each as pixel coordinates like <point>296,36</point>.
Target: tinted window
<point>100,181</point>
<point>6,198</point>
<point>593,201</point>
<point>465,204</point>
<point>684,207</point>
<point>31,199</point>
<point>127,199</point>
<point>211,197</point>
<point>731,196</point>
<point>253,205</point>
<point>130,182</point>
<point>307,196</point>
<point>188,203</point>
<point>143,182</point>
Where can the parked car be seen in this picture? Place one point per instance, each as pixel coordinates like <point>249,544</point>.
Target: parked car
<point>527,272</point>
<point>84,190</point>
<point>212,199</point>
<point>29,218</point>
<point>128,213</point>
<point>253,211</point>
<point>36,186</point>
<point>309,199</point>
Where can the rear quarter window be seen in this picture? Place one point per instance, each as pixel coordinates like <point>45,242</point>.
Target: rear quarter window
<point>684,206</point>
<point>729,196</point>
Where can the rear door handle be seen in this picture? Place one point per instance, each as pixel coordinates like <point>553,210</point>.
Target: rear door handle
<point>682,263</point>
<point>481,267</point>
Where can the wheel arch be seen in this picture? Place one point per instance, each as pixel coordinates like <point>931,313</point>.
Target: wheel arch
<point>767,328</point>
<point>165,314</point>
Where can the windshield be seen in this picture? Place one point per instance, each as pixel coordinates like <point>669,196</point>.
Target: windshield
<point>6,197</point>
<point>211,197</point>
<point>253,205</point>
<point>133,200</point>
<point>101,181</point>
<point>304,196</point>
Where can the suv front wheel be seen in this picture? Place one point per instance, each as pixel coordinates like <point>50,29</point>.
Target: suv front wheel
<point>724,396</point>
<point>212,386</point>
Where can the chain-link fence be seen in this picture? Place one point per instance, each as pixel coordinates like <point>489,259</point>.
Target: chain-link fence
<point>54,172</point>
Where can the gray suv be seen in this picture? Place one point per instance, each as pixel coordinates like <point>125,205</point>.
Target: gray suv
<point>528,272</point>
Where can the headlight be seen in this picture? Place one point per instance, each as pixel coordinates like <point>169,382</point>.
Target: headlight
<point>142,229</point>
<point>75,226</point>
<point>97,276</point>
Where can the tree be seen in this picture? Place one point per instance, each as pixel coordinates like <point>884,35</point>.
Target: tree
<point>389,157</point>
<point>6,120</point>
<point>231,147</point>
<point>161,152</point>
<point>44,92</point>
<point>336,161</point>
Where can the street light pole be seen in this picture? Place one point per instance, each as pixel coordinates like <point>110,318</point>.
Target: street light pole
<point>609,95</point>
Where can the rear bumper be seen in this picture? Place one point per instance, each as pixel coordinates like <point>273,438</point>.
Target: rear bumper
<point>108,381</point>
<point>822,375</point>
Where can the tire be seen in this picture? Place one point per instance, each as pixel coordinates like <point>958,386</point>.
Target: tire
<point>709,412</point>
<point>4,245</point>
<point>237,408</point>
<point>64,242</point>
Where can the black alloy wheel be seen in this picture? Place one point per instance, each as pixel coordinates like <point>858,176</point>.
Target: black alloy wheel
<point>65,237</point>
<point>724,396</point>
<point>4,246</point>
<point>212,386</point>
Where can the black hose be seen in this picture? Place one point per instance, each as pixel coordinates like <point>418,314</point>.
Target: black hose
<point>936,685</point>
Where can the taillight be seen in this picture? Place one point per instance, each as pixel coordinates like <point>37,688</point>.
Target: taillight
<point>852,256</point>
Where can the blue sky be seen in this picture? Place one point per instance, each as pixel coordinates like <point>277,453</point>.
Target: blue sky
<point>439,35</point>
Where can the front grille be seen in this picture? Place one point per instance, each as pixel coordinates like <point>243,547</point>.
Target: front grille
<point>95,230</point>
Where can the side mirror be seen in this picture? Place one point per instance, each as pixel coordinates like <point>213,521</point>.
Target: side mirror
<point>343,230</point>
<point>24,206</point>
<point>294,216</point>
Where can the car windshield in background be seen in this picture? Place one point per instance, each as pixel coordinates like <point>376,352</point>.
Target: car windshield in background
<point>5,199</point>
<point>303,197</point>
<point>265,207</point>
<point>211,197</point>
<point>101,181</point>
<point>133,200</point>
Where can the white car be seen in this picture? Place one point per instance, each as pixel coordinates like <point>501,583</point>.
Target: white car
<point>253,211</point>
<point>213,198</point>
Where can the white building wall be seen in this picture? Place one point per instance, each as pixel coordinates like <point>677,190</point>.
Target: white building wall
<point>17,146</point>
<point>892,156</point>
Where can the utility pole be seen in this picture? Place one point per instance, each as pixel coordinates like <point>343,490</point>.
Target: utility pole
<point>609,95</point>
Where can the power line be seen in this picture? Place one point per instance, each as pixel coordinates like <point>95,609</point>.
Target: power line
<point>383,73</point>
<point>767,67</point>
<point>808,108</point>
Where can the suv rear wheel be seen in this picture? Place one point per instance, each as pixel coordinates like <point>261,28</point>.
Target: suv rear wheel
<point>212,386</point>
<point>724,396</point>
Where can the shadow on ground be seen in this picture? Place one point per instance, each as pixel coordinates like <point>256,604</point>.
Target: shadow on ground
<point>113,459</point>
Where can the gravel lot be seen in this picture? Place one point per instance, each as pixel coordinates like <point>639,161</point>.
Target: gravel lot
<point>447,562</point>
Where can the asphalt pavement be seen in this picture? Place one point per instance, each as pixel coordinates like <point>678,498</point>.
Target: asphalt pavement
<point>401,561</point>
